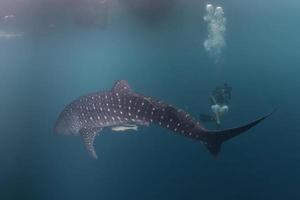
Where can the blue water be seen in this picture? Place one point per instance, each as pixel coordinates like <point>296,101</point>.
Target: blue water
<point>40,75</point>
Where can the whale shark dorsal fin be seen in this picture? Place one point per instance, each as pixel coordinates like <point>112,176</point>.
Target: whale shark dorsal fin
<point>121,86</point>
<point>88,137</point>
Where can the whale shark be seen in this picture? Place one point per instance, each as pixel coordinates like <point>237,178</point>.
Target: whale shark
<point>122,109</point>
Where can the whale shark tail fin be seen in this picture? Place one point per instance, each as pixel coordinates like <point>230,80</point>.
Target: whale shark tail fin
<point>215,138</point>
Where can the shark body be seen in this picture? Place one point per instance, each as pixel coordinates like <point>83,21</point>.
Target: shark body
<point>121,109</point>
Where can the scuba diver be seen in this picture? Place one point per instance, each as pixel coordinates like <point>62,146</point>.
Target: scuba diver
<point>219,98</point>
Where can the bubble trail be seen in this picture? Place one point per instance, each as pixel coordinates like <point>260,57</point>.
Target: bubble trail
<point>215,42</point>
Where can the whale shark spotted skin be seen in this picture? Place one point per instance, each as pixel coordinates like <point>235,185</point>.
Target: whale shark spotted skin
<point>121,107</point>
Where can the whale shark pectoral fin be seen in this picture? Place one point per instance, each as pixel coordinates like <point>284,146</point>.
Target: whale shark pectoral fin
<point>88,136</point>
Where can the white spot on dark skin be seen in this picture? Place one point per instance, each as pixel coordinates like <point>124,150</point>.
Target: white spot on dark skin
<point>136,110</point>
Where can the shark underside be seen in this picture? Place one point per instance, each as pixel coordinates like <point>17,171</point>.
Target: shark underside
<point>122,109</point>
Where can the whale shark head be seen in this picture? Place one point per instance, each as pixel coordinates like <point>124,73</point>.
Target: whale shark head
<point>67,123</point>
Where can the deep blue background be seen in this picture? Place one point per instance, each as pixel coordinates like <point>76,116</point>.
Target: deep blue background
<point>39,76</point>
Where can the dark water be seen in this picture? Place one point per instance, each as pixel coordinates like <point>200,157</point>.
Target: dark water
<point>40,75</point>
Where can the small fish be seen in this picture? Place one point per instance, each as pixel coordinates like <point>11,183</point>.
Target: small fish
<point>125,128</point>
<point>121,106</point>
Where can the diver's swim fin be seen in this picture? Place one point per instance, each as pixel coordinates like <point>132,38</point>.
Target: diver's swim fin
<point>215,138</point>
<point>206,118</point>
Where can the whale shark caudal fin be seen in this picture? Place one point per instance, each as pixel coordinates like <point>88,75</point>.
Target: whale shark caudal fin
<point>215,138</point>
<point>88,137</point>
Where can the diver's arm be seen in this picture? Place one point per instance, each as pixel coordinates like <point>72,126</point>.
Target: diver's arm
<point>213,100</point>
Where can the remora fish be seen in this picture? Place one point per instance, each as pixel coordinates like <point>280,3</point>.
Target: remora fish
<point>122,107</point>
